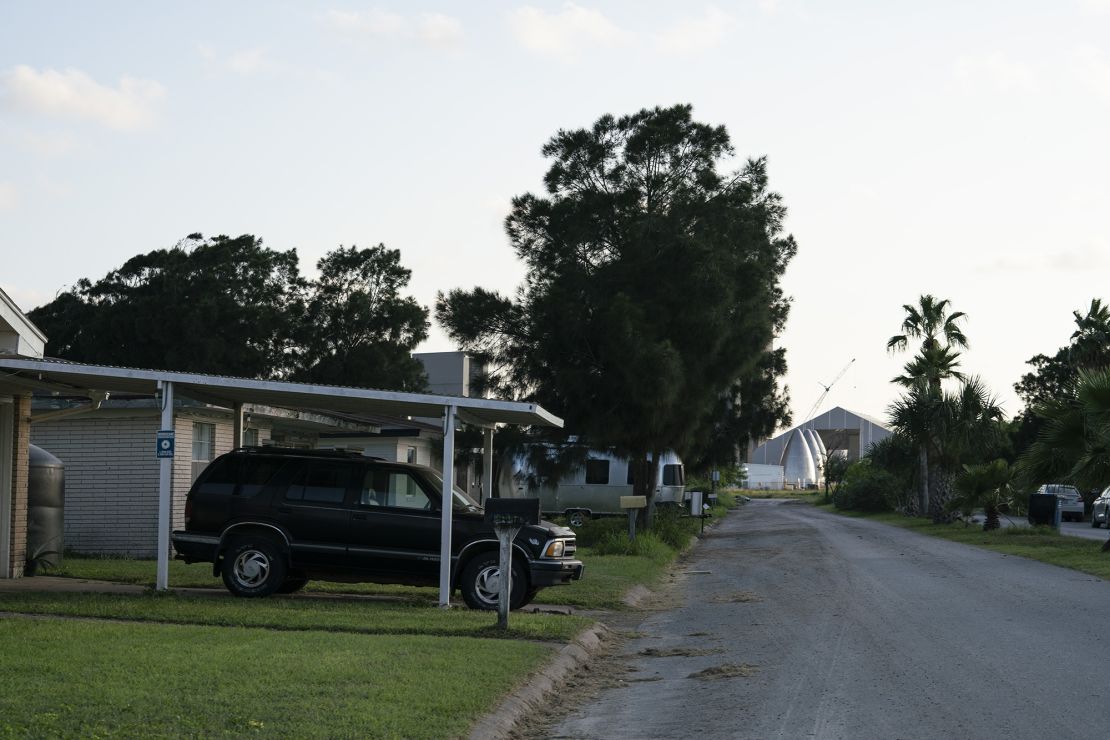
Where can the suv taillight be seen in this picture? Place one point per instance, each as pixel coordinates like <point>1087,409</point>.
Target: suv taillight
<point>188,510</point>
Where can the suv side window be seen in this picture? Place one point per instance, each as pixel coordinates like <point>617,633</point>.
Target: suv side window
<point>256,474</point>
<point>320,482</point>
<point>220,478</point>
<point>391,487</point>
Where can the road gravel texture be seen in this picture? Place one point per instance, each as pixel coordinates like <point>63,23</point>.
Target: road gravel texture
<point>791,622</point>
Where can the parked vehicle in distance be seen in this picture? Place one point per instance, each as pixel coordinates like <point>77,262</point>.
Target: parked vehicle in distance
<point>595,489</point>
<point>1071,502</point>
<point>1100,513</point>
<point>270,519</point>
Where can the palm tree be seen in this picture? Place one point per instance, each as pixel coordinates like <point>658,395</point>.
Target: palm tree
<point>948,428</point>
<point>931,364</point>
<point>937,329</point>
<point>989,485</point>
<point>1091,337</point>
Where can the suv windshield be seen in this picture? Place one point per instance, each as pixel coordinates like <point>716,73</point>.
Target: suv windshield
<point>462,501</point>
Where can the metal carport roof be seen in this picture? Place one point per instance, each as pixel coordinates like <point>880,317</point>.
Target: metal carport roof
<point>21,374</point>
<point>76,378</point>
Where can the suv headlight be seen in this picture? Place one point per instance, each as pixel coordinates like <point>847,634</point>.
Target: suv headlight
<point>555,549</point>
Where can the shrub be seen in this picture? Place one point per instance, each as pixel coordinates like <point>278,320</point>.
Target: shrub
<point>672,528</point>
<point>646,544</point>
<point>866,488</point>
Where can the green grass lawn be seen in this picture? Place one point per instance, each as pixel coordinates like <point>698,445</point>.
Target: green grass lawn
<point>179,664</point>
<point>66,678</point>
<point>607,579</point>
<point>1044,544</point>
<point>296,613</point>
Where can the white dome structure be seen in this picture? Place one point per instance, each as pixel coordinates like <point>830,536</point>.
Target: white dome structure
<point>797,461</point>
<point>817,447</point>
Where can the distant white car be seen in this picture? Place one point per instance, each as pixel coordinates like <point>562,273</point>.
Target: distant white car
<point>1100,514</point>
<point>1071,502</point>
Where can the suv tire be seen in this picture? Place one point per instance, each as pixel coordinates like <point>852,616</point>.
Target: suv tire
<point>481,584</point>
<point>253,567</point>
<point>292,584</point>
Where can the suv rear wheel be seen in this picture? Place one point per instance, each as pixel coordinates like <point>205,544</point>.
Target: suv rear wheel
<point>481,583</point>
<point>253,567</point>
<point>292,584</point>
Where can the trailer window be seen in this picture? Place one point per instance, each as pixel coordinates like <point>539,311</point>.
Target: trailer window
<point>597,472</point>
<point>673,475</point>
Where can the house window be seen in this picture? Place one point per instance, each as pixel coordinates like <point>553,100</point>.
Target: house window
<point>597,472</point>
<point>204,441</point>
<point>410,455</point>
<point>250,438</point>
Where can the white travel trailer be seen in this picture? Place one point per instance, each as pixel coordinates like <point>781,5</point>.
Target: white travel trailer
<point>596,487</point>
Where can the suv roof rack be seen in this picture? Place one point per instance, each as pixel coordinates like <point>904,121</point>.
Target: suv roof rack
<point>298,452</point>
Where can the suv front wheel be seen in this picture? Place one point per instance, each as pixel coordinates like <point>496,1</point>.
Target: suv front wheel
<point>481,583</point>
<point>253,567</point>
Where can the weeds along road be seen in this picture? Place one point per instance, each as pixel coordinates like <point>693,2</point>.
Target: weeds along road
<point>811,625</point>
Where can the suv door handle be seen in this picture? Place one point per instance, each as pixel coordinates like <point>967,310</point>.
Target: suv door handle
<point>284,510</point>
<point>359,516</point>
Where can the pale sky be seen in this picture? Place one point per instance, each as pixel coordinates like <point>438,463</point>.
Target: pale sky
<point>957,148</point>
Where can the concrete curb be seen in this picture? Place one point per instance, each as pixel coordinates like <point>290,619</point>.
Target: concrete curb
<point>528,698</point>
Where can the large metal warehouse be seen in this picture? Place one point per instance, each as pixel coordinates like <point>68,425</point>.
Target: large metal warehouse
<point>838,428</point>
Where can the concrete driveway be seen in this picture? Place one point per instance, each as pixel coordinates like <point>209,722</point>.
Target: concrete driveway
<point>796,623</point>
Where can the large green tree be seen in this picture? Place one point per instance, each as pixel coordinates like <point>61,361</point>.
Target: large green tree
<point>232,306</point>
<point>652,286</point>
<point>358,329</point>
<point>220,305</point>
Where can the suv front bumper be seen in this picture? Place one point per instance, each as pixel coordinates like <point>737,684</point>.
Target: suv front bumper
<point>545,573</point>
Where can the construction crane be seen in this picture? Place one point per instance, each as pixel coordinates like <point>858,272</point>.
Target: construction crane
<point>827,388</point>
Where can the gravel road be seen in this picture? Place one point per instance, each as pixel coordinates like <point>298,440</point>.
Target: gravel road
<point>796,623</point>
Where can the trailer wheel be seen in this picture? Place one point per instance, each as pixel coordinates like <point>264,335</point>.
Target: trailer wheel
<point>577,518</point>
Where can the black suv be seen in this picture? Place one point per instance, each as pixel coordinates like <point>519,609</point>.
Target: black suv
<point>270,519</point>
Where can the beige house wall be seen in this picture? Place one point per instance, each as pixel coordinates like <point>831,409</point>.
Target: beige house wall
<point>111,497</point>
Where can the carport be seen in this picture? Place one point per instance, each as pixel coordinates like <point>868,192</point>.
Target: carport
<point>20,375</point>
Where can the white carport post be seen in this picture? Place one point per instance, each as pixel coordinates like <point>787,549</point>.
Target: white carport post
<point>165,481</point>
<point>447,507</point>
<point>487,464</point>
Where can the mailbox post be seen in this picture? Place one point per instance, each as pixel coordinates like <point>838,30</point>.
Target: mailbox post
<point>508,515</point>
<point>633,504</point>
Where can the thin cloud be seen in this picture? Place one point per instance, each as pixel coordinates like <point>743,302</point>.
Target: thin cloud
<point>436,29</point>
<point>9,196</point>
<point>994,71</point>
<point>244,62</point>
<point>697,34</point>
<point>71,93</point>
<point>1092,69</point>
<point>1084,258</point>
<point>566,32</point>
<point>431,29</point>
<point>48,145</point>
<point>1095,7</point>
